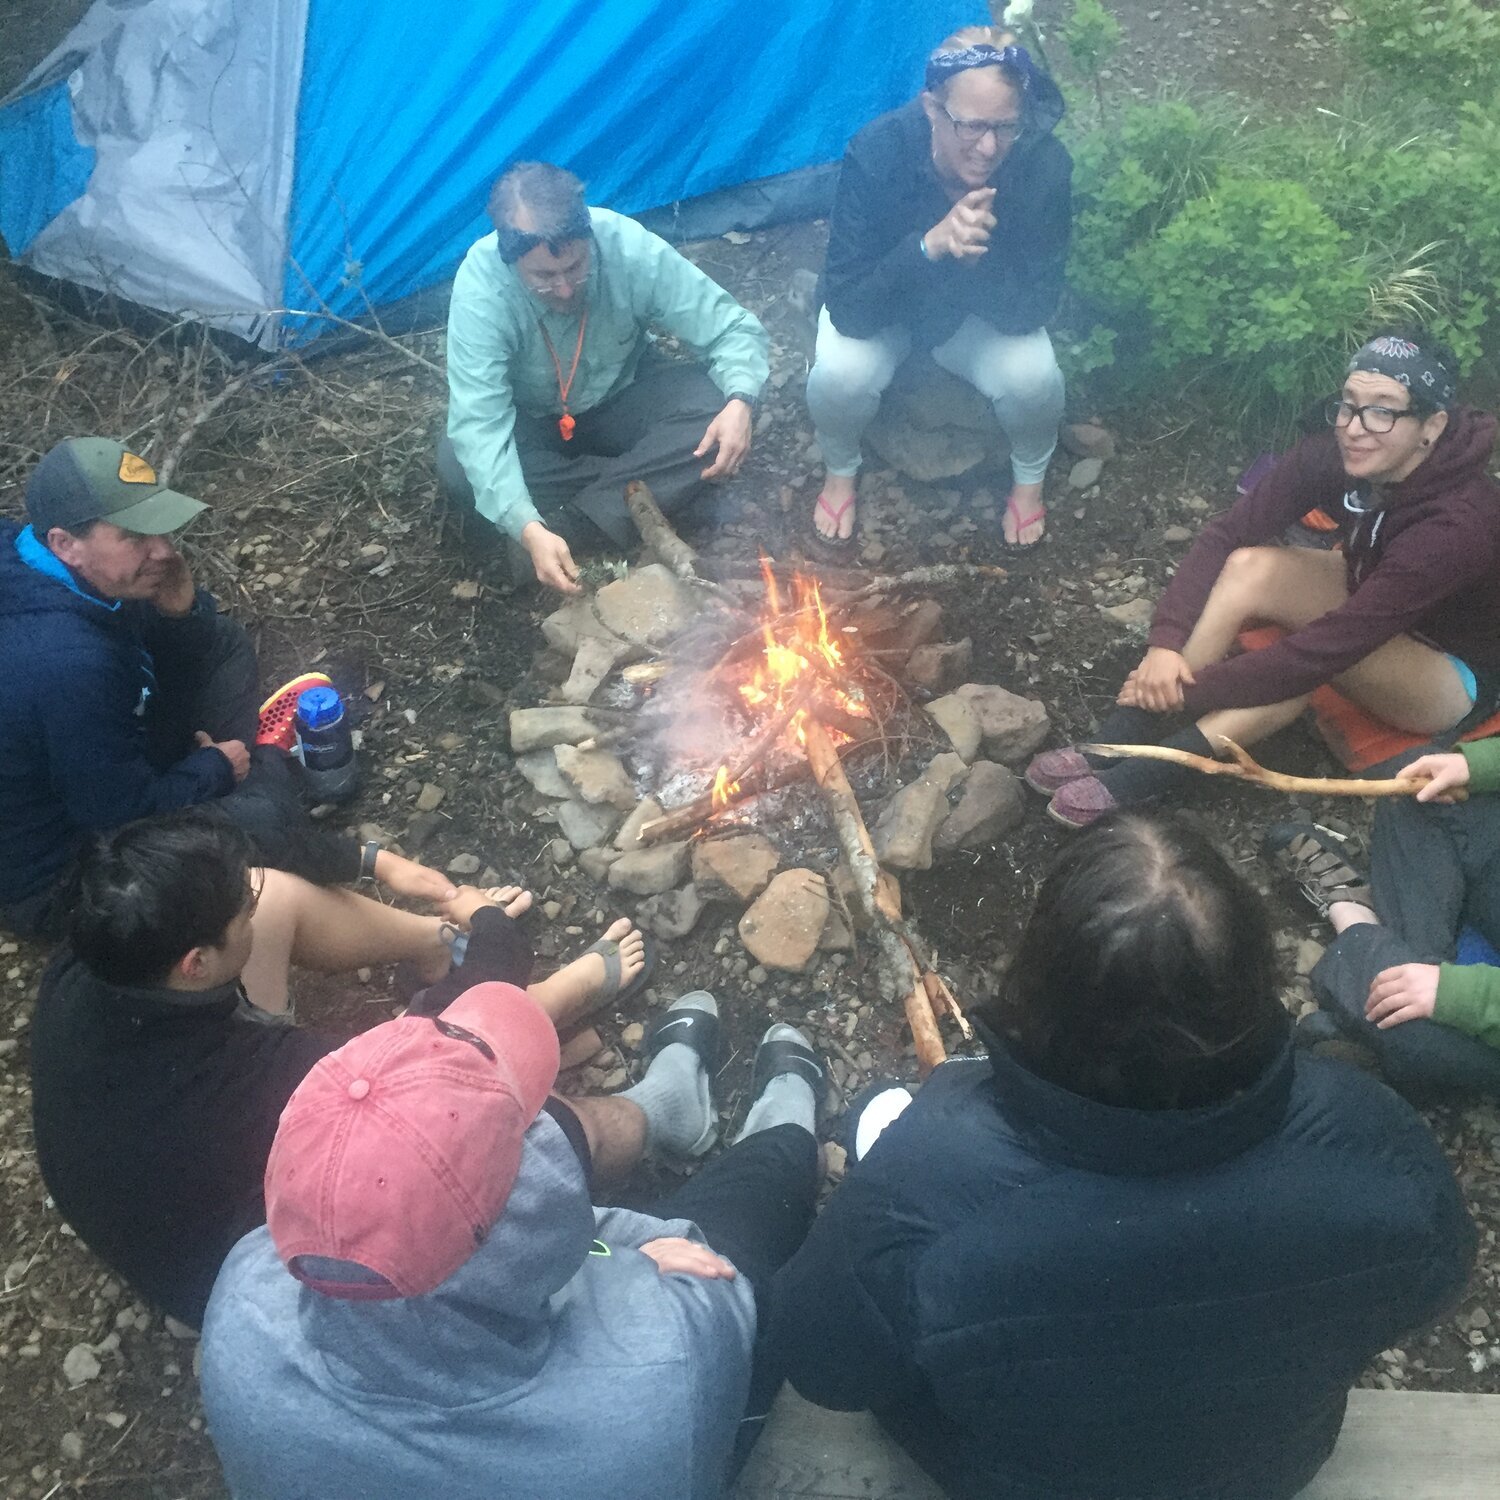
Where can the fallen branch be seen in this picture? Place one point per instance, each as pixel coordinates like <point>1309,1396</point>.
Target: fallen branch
<point>933,576</point>
<point>657,533</point>
<point>1245,768</point>
<point>878,897</point>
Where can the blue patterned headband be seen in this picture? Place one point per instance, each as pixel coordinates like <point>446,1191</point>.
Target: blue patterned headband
<point>941,66</point>
<point>1424,375</point>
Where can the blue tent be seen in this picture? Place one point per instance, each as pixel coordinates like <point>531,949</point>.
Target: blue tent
<point>244,164</point>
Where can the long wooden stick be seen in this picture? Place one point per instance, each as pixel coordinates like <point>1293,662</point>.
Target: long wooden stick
<point>1245,768</point>
<point>877,896</point>
<point>657,533</point>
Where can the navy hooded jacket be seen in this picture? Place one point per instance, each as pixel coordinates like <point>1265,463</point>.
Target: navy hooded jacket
<point>78,671</point>
<point>889,195</point>
<point>1043,1296</point>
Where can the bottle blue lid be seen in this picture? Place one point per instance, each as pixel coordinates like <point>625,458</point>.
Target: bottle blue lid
<point>319,707</point>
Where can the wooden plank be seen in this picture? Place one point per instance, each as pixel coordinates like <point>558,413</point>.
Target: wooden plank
<point>1396,1445</point>
<point>1414,1445</point>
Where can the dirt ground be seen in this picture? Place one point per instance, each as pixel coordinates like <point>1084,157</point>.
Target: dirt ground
<point>325,540</point>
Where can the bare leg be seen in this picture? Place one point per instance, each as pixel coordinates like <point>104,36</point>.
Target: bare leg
<point>1286,586</point>
<point>330,930</point>
<point>616,1132</point>
<point>572,992</point>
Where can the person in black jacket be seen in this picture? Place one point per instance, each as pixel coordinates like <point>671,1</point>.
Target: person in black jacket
<point>1143,1249</point>
<point>949,233</point>
<point>126,692</point>
<point>158,1071</point>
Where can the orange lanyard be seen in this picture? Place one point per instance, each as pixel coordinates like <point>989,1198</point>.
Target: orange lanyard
<point>565,423</point>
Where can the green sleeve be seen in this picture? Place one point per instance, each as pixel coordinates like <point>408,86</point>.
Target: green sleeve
<point>481,406</point>
<point>694,308</point>
<point>1468,999</point>
<point>1483,757</point>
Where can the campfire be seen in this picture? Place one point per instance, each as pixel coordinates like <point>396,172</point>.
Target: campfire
<point>707,735</point>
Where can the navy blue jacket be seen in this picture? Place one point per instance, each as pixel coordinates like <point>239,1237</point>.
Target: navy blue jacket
<point>1046,1297</point>
<point>875,275</point>
<point>77,672</point>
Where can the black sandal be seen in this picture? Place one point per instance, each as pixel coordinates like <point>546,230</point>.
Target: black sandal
<point>777,1055</point>
<point>1322,874</point>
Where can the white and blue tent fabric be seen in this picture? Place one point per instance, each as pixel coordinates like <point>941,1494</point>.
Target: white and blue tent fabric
<point>259,165</point>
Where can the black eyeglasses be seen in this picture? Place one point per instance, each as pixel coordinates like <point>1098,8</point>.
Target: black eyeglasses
<point>971,132</point>
<point>1376,420</point>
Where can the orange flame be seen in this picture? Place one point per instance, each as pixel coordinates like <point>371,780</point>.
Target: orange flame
<point>723,789</point>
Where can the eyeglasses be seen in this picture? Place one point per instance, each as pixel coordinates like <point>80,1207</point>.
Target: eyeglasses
<point>971,132</point>
<point>555,281</point>
<point>1376,420</point>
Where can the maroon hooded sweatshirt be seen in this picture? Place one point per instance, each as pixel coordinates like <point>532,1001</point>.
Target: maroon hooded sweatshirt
<point>1421,558</point>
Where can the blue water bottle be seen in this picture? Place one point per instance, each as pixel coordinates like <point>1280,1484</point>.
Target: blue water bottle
<point>325,745</point>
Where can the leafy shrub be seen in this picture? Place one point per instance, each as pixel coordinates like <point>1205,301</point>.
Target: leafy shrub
<point>1448,50</point>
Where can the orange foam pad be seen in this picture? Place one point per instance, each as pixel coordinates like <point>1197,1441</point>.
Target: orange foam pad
<point>1356,737</point>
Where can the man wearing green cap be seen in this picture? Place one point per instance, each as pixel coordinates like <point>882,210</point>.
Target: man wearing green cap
<point>126,693</point>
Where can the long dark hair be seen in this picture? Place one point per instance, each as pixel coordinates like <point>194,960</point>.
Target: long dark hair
<point>1146,975</point>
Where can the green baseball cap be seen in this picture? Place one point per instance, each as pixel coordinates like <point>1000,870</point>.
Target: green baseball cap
<point>95,479</point>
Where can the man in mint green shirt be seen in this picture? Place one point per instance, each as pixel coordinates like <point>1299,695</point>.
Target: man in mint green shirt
<point>555,398</point>
<point>1389,978</point>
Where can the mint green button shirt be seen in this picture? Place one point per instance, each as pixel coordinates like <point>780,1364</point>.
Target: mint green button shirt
<point>498,361</point>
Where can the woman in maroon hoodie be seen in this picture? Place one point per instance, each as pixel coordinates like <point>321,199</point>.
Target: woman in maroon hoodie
<point>1405,620</point>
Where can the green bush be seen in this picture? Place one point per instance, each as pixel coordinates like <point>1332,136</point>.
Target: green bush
<point>1447,50</point>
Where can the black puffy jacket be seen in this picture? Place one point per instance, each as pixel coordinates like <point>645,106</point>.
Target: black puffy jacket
<point>1046,1297</point>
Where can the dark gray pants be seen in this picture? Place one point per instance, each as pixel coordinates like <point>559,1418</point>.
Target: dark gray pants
<point>647,431</point>
<point>1434,871</point>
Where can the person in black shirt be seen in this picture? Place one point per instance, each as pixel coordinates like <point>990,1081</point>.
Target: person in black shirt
<point>949,233</point>
<point>159,1069</point>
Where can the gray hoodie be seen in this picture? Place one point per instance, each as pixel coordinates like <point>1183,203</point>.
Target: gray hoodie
<point>556,1363</point>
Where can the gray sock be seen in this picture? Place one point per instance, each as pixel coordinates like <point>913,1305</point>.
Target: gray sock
<point>675,1095</point>
<point>787,1099</point>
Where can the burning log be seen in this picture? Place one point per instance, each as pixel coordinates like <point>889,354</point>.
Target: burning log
<point>878,898</point>
<point>1245,768</point>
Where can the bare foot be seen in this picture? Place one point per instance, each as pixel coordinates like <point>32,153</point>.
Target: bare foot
<point>834,512</point>
<point>1025,519</point>
<point>467,899</point>
<point>574,990</point>
<point>405,877</point>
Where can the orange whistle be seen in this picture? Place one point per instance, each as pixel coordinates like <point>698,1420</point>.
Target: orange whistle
<point>565,425</point>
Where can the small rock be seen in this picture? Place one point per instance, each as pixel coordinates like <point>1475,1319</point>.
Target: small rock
<point>593,662</point>
<point>990,804</point>
<point>957,718</point>
<point>1012,726</point>
<point>632,1036</point>
<point>903,834</point>
<point>627,838</point>
<point>650,606</point>
<point>1176,535</point>
<point>423,828</point>
<point>596,776</point>
<point>595,863</point>
<point>1135,614</point>
<point>552,910</point>
<point>542,728</point>
<point>71,1444</point>
<point>940,665</point>
<point>464,864</point>
<point>1088,440</point>
<point>649,872</point>
<point>782,927</point>
<point>179,1329</point>
<point>586,825</point>
<point>1308,954</point>
<point>560,852</point>
<point>737,868</point>
<point>539,767</point>
<point>80,1364</point>
<point>430,798</point>
<point>672,914</point>
<point>1085,473</point>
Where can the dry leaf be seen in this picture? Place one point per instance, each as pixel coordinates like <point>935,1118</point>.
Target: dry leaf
<point>468,589</point>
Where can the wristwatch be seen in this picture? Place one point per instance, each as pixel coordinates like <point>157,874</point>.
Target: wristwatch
<point>750,401</point>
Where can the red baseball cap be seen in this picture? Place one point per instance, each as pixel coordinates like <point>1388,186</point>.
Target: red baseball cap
<point>395,1155</point>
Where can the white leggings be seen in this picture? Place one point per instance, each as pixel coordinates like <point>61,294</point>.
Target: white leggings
<point>1018,374</point>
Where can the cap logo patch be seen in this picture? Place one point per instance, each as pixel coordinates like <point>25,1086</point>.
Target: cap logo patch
<point>135,470</point>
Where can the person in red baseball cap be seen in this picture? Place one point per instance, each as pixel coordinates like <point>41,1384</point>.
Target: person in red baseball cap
<point>128,694</point>
<point>435,1307</point>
